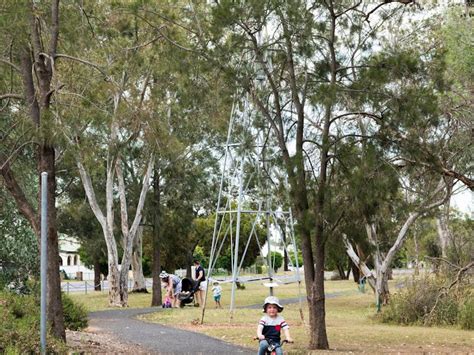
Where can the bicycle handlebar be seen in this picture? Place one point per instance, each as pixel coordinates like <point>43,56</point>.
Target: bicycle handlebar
<point>284,341</point>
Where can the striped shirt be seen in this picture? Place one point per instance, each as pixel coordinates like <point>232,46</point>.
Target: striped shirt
<point>271,327</point>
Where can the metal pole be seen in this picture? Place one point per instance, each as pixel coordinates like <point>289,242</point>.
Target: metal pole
<point>269,254</point>
<point>237,233</point>
<point>44,258</point>
<point>214,235</point>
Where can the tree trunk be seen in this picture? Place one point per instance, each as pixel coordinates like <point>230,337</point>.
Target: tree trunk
<point>382,293</point>
<point>285,252</point>
<point>314,278</point>
<point>442,226</point>
<point>139,283</point>
<point>359,263</point>
<point>118,288</point>
<point>118,280</point>
<point>355,271</point>
<point>317,304</point>
<point>38,99</point>
<point>341,271</point>
<point>189,263</point>
<point>156,299</point>
<point>54,303</point>
<point>97,283</point>
<point>381,275</point>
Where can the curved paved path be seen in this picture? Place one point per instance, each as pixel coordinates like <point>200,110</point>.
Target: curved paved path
<point>159,339</point>
<point>156,338</point>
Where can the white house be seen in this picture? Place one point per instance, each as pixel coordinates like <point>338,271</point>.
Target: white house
<point>70,261</point>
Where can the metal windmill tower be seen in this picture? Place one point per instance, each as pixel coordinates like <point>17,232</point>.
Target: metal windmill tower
<point>245,189</point>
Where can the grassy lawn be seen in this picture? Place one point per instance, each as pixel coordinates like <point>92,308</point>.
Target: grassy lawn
<point>349,317</point>
<point>98,301</point>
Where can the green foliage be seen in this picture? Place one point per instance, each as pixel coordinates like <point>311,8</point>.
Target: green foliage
<point>414,304</point>
<point>201,256</point>
<point>76,219</point>
<point>460,247</point>
<point>466,314</point>
<point>19,257</point>
<point>204,227</point>
<point>75,314</point>
<point>276,260</point>
<point>459,51</point>
<point>20,326</point>
<point>293,259</point>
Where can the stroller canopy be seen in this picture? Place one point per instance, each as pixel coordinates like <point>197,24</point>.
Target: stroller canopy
<point>188,285</point>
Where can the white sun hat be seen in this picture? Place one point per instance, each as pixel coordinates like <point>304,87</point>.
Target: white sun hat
<point>272,300</point>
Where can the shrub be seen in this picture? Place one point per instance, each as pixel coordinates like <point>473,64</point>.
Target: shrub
<point>466,314</point>
<point>75,315</point>
<point>20,326</point>
<point>276,260</point>
<point>415,303</point>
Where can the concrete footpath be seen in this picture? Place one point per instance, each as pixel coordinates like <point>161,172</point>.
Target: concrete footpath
<point>155,338</point>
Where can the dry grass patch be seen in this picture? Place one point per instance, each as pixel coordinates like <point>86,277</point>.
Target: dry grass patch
<point>350,324</point>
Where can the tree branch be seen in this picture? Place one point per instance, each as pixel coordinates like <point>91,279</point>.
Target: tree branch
<point>2,60</point>
<point>11,96</point>
<point>463,178</point>
<point>90,193</point>
<point>348,9</point>
<point>53,44</point>
<point>83,61</point>
<point>123,198</point>
<point>359,263</point>
<point>385,2</point>
<point>25,208</point>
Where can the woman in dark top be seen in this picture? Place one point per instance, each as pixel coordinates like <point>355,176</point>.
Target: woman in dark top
<point>200,278</point>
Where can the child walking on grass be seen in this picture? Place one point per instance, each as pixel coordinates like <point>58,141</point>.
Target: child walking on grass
<point>270,326</point>
<point>217,292</point>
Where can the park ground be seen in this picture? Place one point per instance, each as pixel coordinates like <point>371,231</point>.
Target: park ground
<point>350,318</point>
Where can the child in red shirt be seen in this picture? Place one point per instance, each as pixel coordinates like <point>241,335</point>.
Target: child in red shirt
<point>270,326</point>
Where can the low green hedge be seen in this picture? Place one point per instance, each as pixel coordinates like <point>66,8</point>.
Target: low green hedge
<point>20,323</point>
<point>75,314</point>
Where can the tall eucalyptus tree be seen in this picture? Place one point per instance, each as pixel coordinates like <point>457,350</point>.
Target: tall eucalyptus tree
<point>30,34</point>
<point>106,81</point>
<point>308,54</point>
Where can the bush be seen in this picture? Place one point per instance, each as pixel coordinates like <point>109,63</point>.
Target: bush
<point>466,314</point>
<point>276,260</point>
<point>20,326</point>
<point>414,304</point>
<point>75,315</point>
<point>293,259</point>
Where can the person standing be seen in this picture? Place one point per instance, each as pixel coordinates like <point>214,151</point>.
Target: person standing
<point>217,292</point>
<point>201,284</point>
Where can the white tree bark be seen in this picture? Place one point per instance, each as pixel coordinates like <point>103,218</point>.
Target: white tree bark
<point>139,283</point>
<point>359,263</point>
<point>381,262</point>
<point>118,291</point>
<point>442,225</point>
<point>131,233</point>
<point>106,223</point>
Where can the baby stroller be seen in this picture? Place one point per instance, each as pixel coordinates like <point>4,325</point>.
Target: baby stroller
<point>188,288</point>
